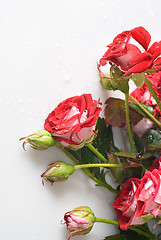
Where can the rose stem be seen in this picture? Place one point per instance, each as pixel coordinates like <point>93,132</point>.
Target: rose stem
<point>92,165</point>
<point>86,171</point>
<point>117,224</point>
<point>151,89</point>
<point>148,113</point>
<point>128,122</point>
<point>97,153</point>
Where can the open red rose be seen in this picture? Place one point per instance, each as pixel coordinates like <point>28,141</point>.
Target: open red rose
<point>128,56</point>
<point>73,121</point>
<point>149,194</point>
<point>126,203</point>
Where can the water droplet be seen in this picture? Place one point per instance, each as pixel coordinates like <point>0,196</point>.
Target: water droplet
<point>150,138</point>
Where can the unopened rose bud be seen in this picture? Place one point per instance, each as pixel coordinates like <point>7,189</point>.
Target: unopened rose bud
<point>39,140</point>
<point>58,172</point>
<point>115,80</point>
<point>79,221</point>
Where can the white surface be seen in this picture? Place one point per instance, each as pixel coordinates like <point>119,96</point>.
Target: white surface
<point>48,52</point>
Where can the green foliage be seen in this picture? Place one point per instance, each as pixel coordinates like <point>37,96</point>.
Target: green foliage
<point>138,144</point>
<point>102,143</point>
<point>154,140</point>
<point>141,112</point>
<point>115,113</point>
<point>138,79</point>
<point>134,235</point>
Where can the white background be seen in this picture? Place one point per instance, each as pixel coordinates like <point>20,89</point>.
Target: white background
<point>49,51</point>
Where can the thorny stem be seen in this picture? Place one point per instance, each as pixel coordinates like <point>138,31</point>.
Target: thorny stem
<point>97,153</point>
<point>151,89</point>
<point>103,220</point>
<point>147,113</point>
<point>128,122</point>
<point>87,172</point>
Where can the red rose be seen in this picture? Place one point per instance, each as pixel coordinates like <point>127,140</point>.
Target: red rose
<point>155,80</point>
<point>156,164</point>
<point>149,194</point>
<point>143,94</point>
<point>126,203</point>
<point>128,56</point>
<point>73,121</point>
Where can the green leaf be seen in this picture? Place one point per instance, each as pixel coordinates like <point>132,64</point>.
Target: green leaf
<point>137,109</point>
<point>104,137</point>
<point>116,237</point>
<point>154,140</point>
<point>138,144</point>
<point>133,235</point>
<point>132,173</point>
<point>138,79</point>
<point>133,156</point>
<point>115,113</point>
<point>116,172</point>
<point>148,162</point>
<point>118,80</point>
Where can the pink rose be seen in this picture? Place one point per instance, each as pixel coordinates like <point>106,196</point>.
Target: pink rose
<point>73,121</point>
<point>130,57</point>
<point>126,203</point>
<point>149,194</point>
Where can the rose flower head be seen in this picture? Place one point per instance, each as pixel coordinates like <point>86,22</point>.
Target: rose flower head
<point>149,193</point>
<point>130,51</point>
<point>143,95</point>
<point>73,121</point>
<point>79,221</point>
<point>58,172</point>
<point>126,203</point>
<point>39,140</point>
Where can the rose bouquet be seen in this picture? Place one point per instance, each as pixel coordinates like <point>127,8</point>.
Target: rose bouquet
<point>75,127</point>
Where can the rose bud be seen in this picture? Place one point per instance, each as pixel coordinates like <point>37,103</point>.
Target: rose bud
<point>73,121</point>
<point>79,221</point>
<point>58,172</point>
<point>115,80</point>
<point>39,140</point>
<point>126,203</point>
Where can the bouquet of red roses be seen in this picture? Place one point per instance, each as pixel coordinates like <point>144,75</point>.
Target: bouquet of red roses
<point>75,127</point>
